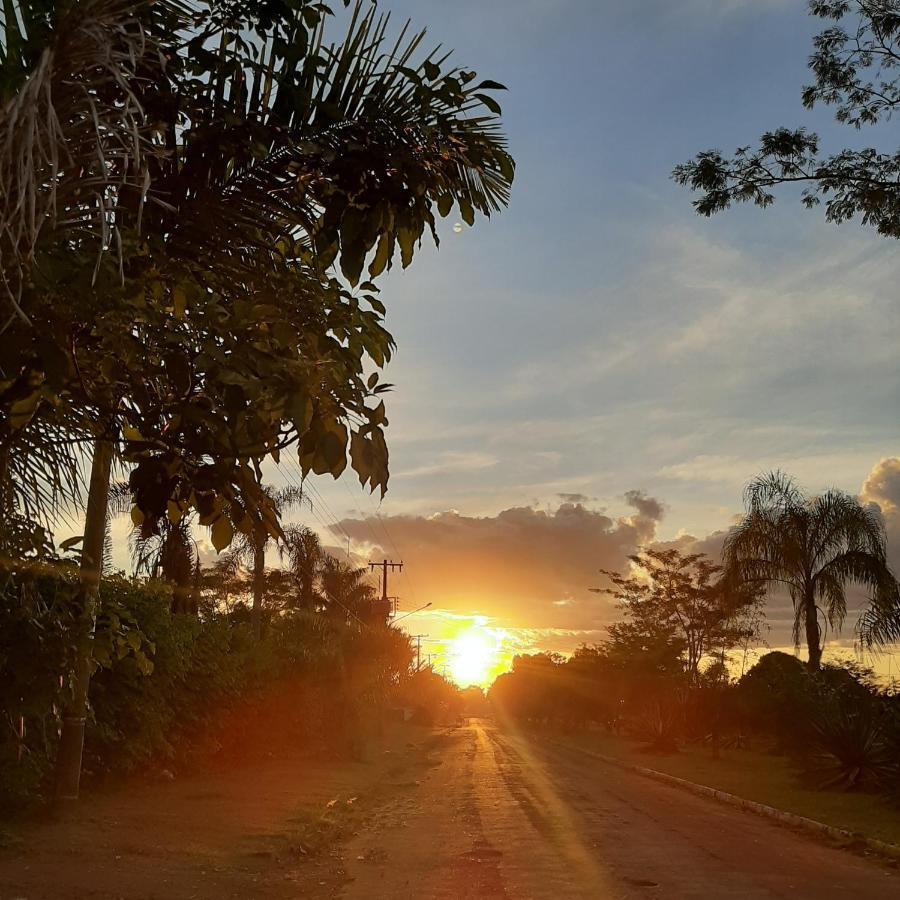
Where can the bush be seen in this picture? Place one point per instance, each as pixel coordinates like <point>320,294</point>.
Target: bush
<point>776,698</point>
<point>169,687</point>
<point>849,748</point>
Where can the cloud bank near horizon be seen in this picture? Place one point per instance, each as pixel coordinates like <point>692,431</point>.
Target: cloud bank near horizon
<point>530,569</point>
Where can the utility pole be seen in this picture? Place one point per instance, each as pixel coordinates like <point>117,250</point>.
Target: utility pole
<point>386,601</point>
<point>418,638</point>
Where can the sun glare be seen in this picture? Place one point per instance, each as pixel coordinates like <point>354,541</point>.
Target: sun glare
<point>473,657</point>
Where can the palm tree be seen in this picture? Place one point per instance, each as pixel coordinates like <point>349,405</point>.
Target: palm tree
<point>163,549</point>
<point>347,594</point>
<point>302,551</point>
<point>249,550</point>
<point>814,547</point>
<point>169,553</point>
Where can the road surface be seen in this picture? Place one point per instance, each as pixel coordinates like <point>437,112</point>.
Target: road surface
<point>497,816</point>
<point>468,813</point>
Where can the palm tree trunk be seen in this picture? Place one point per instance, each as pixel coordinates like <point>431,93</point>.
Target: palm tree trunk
<point>259,578</point>
<point>5,486</point>
<point>71,743</point>
<point>813,634</point>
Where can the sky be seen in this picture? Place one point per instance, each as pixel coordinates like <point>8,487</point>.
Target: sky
<point>598,368</point>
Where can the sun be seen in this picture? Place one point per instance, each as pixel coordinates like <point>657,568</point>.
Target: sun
<point>473,655</point>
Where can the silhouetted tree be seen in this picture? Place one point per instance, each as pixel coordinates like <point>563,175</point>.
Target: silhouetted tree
<point>677,605</point>
<point>346,592</point>
<point>302,551</point>
<point>813,547</point>
<point>855,67</point>
<point>249,549</point>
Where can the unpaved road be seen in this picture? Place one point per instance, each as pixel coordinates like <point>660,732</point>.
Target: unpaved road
<point>473,812</point>
<point>505,817</point>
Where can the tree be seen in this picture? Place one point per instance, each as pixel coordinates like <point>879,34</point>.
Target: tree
<point>813,547</point>
<point>217,160</point>
<point>302,551</point>
<point>281,152</point>
<point>677,605</point>
<point>170,554</point>
<point>347,593</point>
<point>164,549</point>
<point>855,70</point>
<point>249,550</point>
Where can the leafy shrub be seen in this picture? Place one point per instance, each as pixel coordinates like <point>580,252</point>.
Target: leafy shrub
<point>776,697</point>
<point>660,724</point>
<point>168,687</point>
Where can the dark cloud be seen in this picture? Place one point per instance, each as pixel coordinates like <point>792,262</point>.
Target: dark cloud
<point>646,506</point>
<point>517,565</point>
<point>531,568</point>
<point>574,498</point>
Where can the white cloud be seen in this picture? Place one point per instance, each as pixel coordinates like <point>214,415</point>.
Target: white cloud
<point>451,462</point>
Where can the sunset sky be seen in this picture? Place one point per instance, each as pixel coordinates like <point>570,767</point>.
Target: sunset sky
<point>598,367</point>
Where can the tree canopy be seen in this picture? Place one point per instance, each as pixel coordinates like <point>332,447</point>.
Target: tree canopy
<point>197,211</point>
<point>679,611</point>
<point>854,64</point>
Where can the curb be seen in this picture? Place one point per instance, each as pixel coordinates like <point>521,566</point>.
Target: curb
<point>785,818</point>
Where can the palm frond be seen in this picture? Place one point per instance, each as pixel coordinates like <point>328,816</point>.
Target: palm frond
<point>343,145</point>
<point>75,141</point>
<point>816,547</point>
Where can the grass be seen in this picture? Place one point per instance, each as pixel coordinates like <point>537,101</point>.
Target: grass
<point>762,777</point>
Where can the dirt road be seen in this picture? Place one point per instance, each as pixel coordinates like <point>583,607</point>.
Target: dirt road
<point>504,817</point>
<point>472,812</point>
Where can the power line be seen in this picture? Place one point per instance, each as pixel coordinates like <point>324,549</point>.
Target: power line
<point>336,526</point>
<point>414,595</point>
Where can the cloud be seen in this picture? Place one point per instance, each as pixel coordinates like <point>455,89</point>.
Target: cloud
<point>518,565</point>
<point>648,507</point>
<point>446,463</point>
<point>882,487</point>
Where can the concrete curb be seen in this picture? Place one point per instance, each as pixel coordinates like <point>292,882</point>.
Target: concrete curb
<point>785,818</point>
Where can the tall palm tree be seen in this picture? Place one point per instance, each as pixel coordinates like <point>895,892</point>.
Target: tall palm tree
<point>249,550</point>
<point>164,549</point>
<point>814,547</point>
<point>170,554</point>
<point>302,551</point>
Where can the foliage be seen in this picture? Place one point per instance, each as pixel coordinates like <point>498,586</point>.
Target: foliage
<point>774,697</point>
<point>813,547</point>
<point>347,594</point>
<point>166,687</point>
<point>302,551</point>
<point>676,604</point>
<point>854,65</point>
<point>209,333</point>
<point>849,749</point>
<point>433,699</point>
<point>37,610</point>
